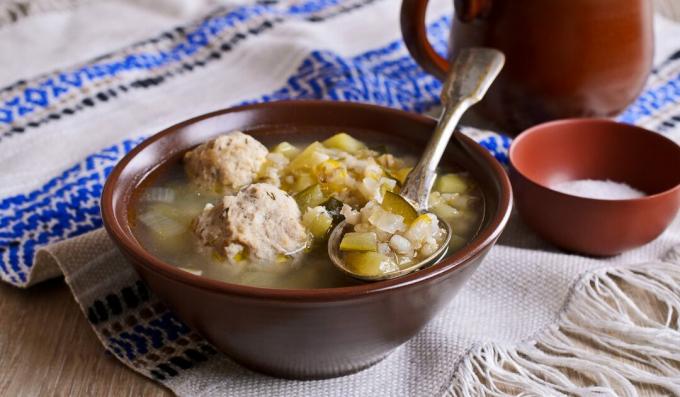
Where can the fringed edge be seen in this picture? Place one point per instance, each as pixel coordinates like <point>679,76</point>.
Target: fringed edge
<point>604,343</point>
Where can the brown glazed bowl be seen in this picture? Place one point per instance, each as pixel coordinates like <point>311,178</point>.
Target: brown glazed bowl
<point>575,149</point>
<point>313,333</point>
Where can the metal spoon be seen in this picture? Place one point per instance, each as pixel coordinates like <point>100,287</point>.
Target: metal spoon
<point>471,75</point>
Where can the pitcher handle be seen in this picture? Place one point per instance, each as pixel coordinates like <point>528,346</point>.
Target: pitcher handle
<point>415,32</point>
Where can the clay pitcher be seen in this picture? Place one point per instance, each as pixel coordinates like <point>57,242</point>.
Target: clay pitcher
<point>565,58</point>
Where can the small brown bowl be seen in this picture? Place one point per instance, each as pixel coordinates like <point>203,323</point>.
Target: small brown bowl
<point>601,149</point>
<point>312,333</point>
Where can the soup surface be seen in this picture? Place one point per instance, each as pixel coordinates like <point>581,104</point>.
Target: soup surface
<point>236,211</point>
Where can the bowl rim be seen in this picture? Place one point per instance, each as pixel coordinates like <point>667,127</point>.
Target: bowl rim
<point>539,128</point>
<point>130,246</point>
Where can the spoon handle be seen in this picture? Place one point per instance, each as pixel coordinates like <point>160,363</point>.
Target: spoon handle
<point>471,75</point>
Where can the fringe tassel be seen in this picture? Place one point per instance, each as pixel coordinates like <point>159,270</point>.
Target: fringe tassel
<point>618,333</point>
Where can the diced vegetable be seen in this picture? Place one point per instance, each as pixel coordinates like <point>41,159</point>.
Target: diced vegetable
<point>344,142</point>
<point>435,198</point>
<point>161,224</point>
<point>286,149</point>
<point>356,241</point>
<point>309,158</point>
<point>387,221</point>
<point>369,188</point>
<point>366,263</point>
<point>446,212</point>
<point>302,182</point>
<point>462,201</point>
<point>319,225</point>
<point>310,197</point>
<point>181,211</point>
<point>387,185</point>
<point>369,263</point>
<point>424,219</point>
<point>401,174</point>
<point>396,204</point>
<point>158,194</point>
<point>451,183</point>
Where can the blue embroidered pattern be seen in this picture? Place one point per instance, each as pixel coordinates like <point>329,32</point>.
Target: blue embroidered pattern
<point>53,87</point>
<point>653,100</point>
<point>44,92</point>
<point>66,206</point>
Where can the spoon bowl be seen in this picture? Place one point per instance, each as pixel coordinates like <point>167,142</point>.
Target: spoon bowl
<point>336,257</point>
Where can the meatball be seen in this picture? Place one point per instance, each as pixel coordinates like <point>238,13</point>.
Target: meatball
<point>260,223</point>
<point>229,161</point>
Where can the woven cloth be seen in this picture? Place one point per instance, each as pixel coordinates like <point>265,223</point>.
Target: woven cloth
<point>88,80</point>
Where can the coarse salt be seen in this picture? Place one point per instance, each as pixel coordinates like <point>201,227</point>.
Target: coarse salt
<point>598,189</point>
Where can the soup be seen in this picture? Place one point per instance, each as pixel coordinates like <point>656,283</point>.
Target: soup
<point>236,211</point>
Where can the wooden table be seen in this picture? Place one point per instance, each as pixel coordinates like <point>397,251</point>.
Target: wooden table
<point>47,347</point>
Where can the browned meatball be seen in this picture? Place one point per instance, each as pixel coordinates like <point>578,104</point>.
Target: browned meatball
<point>228,162</point>
<point>260,223</point>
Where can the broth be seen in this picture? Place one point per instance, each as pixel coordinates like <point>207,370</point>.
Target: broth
<point>164,210</point>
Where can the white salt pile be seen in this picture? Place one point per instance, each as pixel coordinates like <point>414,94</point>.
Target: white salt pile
<point>598,189</point>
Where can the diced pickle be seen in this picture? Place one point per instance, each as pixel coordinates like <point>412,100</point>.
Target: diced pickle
<point>425,218</point>
<point>401,174</point>
<point>302,182</point>
<point>320,225</point>
<point>356,241</point>
<point>286,149</point>
<point>310,197</point>
<point>451,183</point>
<point>309,158</point>
<point>344,142</point>
<point>396,204</point>
<point>365,263</point>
